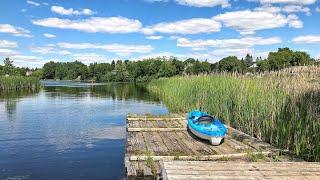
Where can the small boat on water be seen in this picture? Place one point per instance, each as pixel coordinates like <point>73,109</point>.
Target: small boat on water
<point>206,127</point>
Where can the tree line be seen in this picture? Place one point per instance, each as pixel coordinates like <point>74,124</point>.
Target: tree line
<point>148,69</point>
<point>8,69</point>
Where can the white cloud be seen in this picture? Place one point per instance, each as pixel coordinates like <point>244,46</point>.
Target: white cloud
<point>71,11</point>
<point>88,58</point>
<point>247,21</point>
<point>49,49</point>
<point>49,35</point>
<point>28,61</point>
<point>244,42</point>
<point>294,21</point>
<point>303,2</point>
<point>297,8</point>
<point>8,52</point>
<point>16,31</point>
<point>33,3</point>
<point>309,39</point>
<point>8,44</point>
<point>318,9</point>
<point>204,3</point>
<point>94,24</point>
<point>188,26</point>
<point>119,49</point>
<point>286,9</point>
<point>154,37</point>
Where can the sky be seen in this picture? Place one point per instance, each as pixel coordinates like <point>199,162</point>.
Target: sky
<point>33,32</point>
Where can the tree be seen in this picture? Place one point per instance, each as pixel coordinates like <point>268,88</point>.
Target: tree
<point>300,59</point>
<point>49,70</point>
<point>263,65</point>
<point>196,68</point>
<point>8,67</point>
<point>167,69</point>
<point>231,64</point>
<point>248,60</point>
<point>280,59</point>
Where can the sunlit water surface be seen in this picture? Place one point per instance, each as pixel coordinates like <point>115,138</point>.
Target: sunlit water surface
<point>69,130</point>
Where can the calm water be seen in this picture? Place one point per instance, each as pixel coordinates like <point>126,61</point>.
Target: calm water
<point>69,130</point>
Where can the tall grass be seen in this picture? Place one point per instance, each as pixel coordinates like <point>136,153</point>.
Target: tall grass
<point>282,108</point>
<point>17,83</point>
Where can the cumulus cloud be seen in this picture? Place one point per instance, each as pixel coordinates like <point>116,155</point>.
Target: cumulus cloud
<point>308,39</point>
<point>154,37</point>
<point>49,49</point>
<point>8,44</point>
<point>286,9</point>
<point>119,49</point>
<point>8,52</point>
<point>16,31</point>
<point>71,11</point>
<point>88,58</point>
<point>303,2</point>
<point>204,3</point>
<point>94,24</point>
<point>188,26</point>
<point>33,3</point>
<point>297,8</point>
<point>49,35</point>
<point>28,61</point>
<point>244,42</point>
<point>247,21</point>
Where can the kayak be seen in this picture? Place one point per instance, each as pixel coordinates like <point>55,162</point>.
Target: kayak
<point>206,127</point>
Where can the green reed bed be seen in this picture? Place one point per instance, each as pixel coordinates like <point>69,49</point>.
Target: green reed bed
<point>17,83</point>
<point>280,108</point>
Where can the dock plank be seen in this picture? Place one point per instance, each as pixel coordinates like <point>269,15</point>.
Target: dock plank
<point>248,170</point>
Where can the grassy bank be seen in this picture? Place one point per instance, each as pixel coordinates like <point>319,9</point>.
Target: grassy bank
<point>281,108</point>
<point>17,83</point>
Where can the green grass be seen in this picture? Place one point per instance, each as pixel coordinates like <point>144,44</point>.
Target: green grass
<point>17,83</point>
<point>280,108</point>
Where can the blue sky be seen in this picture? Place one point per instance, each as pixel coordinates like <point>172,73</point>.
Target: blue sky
<point>33,32</point>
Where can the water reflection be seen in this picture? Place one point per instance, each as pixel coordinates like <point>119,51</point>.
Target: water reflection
<point>70,132</point>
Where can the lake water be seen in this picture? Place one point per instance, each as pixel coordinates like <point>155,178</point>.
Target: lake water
<point>69,130</point>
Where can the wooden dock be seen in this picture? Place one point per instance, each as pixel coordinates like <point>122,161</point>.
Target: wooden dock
<point>161,147</point>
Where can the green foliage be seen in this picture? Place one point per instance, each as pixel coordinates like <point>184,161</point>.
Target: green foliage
<point>17,83</point>
<point>68,70</point>
<point>263,66</point>
<point>231,64</point>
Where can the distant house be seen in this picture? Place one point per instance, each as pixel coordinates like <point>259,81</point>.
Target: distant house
<point>28,73</point>
<point>254,65</point>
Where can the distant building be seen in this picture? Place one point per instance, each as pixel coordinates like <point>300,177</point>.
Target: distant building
<point>28,73</point>
<point>254,65</point>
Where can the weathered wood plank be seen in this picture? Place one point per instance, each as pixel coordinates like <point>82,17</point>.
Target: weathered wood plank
<point>188,158</point>
<point>157,146</point>
<point>154,129</point>
<point>154,118</point>
<point>232,177</point>
<point>248,170</point>
<point>201,146</point>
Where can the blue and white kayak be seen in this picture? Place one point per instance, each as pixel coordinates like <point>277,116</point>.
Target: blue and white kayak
<point>206,127</point>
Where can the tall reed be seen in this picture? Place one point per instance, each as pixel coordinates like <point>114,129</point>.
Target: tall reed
<point>282,108</point>
<point>17,83</point>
